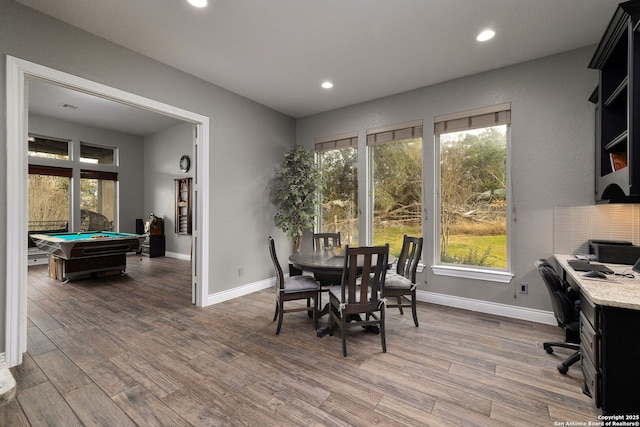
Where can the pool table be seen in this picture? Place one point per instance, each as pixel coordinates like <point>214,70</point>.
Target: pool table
<point>72,255</point>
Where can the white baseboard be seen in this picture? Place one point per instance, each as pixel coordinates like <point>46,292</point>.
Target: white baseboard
<point>177,255</point>
<point>240,291</point>
<point>521,313</point>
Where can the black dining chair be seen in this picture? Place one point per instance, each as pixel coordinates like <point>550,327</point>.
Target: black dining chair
<point>324,241</point>
<point>293,288</point>
<point>566,311</point>
<point>359,293</point>
<point>400,285</point>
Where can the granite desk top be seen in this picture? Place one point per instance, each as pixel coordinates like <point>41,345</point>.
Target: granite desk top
<point>614,291</point>
<point>7,383</point>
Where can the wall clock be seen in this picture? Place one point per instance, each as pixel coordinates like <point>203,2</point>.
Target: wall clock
<point>185,163</point>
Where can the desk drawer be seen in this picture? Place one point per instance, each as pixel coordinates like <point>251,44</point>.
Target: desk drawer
<point>590,341</point>
<point>592,378</point>
<point>590,312</point>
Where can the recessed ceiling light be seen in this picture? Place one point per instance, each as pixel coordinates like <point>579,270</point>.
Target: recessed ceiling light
<point>485,35</point>
<point>327,85</point>
<point>198,3</point>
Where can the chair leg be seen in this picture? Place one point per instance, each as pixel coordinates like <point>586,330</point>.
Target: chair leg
<point>564,366</point>
<point>309,313</point>
<point>344,335</point>
<point>281,315</point>
<point>275,316</point>
<point>400,305</point>
<point>414,308</point>
<point>315,313</point>
<point>382,337</point>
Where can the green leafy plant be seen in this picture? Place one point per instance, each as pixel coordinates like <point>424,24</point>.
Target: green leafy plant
<point>294,193</point>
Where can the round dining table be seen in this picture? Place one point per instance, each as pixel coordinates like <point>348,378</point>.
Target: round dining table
<point>326,266</point>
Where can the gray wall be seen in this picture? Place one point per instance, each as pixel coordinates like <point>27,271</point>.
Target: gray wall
<point>161,167</point>
<point>552,145</point>
<point>131,149</point>
<point>552,155</point>
<point>247,140</point>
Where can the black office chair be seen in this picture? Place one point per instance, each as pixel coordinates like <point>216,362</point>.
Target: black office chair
<point>567,312</point>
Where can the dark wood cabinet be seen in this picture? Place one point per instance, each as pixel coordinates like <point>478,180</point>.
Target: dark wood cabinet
<point>610,350</point>
<point>617,57</point>
<point>155,243</point>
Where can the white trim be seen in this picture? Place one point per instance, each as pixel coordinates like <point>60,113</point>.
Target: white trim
<point>472,273</point>
<point>522,313</point>
<point>241,291</point>
<point>17,70</point>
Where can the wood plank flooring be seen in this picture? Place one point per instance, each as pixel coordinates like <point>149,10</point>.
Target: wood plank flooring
<point>133,351</point>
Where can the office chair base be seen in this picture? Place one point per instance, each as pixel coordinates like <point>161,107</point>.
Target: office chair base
<point>548,346</point>
<point>563,368</point>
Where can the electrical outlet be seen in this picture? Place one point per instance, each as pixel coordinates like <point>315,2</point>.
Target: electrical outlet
<point>524,288</point>
<point>240,272</point>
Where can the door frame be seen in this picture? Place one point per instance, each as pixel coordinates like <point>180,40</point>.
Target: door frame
<point>17,73</point>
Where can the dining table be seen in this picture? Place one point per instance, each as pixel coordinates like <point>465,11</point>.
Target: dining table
<point>326,267</point>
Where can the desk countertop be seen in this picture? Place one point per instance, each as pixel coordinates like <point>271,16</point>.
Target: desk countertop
<point>614,291</point>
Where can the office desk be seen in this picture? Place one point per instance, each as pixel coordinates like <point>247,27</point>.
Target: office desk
<point>609,336</point>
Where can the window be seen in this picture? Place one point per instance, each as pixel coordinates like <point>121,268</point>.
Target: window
<point>396,160</point>
<point>338,161</point>
<point>97,200</point>
<point>97,155</point>
<point>47,147</point>
<point>472,190</point>
<point>48,198</point>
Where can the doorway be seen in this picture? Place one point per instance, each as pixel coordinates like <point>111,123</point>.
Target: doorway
<point>18,72</point>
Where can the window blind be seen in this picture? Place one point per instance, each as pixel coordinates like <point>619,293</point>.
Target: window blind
<point>337,142</point>
<point>473,119</point>
<point>399,132</point>
<point>50,170</point>
<point>107,176</point>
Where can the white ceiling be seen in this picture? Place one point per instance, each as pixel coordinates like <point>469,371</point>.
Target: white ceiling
<point>277,52</point>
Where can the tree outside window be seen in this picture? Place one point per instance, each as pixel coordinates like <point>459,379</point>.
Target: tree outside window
<point>339,204</point>
<point>473,206</point>
<point>397,189</point>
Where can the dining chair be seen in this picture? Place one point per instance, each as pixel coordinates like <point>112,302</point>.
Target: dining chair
<point>323,241</point>
<point>400,285</point>
<point>359,292</point>
<point>293,288</point>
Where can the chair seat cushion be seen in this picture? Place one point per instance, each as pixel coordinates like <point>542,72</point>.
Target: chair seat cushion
<point>299,284</point>
<point>336,291</point>
<point>397,281</point>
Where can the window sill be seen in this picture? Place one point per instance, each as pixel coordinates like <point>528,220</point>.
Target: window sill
<point>472,273</point>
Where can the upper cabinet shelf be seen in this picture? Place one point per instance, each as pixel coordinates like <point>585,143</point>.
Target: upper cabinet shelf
<point>617,57</point>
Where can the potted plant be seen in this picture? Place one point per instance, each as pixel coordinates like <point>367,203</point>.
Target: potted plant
<point>294,193</point>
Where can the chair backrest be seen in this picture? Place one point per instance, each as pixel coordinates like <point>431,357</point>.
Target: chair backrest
<point>563,306</point>
<point>409,257</point>
<point>276,265</point>
<point>372,269</point>
<point>323,241</point>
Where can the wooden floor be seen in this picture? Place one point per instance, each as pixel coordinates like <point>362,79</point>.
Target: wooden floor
<point>132,350</point>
